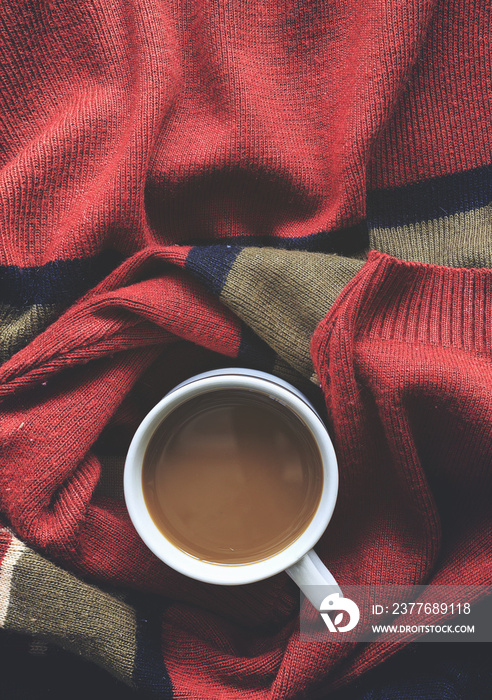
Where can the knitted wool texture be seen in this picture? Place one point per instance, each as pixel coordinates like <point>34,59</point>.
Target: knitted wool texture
<point>192,185</point>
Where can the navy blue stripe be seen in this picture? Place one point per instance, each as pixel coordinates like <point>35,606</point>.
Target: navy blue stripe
<point>56,282</point>
<point>347,241</point>
<point>431,199</point>
<point>150,674</point>
<point>254,352</point>
<point>211,264</point>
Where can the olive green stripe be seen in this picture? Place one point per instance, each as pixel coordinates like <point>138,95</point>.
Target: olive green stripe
<point>283,295</point>
<point>463,239</point>
<point>48,602</point>
<point>18,326</point>
<point>285,371</point>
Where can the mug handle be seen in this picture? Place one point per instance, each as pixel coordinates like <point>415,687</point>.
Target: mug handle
<point>310,574</point>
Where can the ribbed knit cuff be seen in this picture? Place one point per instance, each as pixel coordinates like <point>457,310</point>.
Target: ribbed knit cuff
<point>416,303</point>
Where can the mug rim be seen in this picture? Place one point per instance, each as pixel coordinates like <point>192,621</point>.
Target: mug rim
<point>187,564</point>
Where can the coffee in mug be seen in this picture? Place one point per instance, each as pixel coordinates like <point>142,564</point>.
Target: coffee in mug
<point>232,477</point>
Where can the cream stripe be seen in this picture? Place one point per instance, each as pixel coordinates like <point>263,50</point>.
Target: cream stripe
<point>14,551</point>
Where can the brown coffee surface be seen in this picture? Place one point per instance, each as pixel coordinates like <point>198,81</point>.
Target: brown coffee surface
<point>232,477</point>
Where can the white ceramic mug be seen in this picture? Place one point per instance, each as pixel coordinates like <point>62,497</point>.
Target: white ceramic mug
<point>298,559</point>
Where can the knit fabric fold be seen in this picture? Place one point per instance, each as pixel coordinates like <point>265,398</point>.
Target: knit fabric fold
<point>412,432</point>
<point>301,188</point>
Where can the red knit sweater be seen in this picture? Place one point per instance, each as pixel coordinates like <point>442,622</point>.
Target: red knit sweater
<point>188,185</point>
